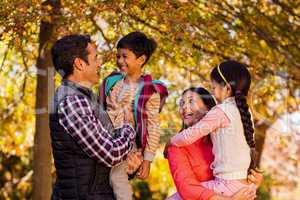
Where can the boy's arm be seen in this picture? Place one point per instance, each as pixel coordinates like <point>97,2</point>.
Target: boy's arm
<point>152,110</point>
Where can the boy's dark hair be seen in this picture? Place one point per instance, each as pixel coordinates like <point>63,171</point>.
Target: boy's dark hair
<point>66,49</point>
<point>139,44</point>
<point>239,79</point>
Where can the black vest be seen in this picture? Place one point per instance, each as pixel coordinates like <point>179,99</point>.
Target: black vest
<point>78,177</point>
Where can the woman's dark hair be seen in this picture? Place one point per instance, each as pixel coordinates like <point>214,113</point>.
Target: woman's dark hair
<point>139,44</point>
<point>205,96</point>
<point>239,79</point>
<point>66,49</point>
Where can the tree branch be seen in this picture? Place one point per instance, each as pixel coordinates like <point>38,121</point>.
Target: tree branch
<point>5,54</point>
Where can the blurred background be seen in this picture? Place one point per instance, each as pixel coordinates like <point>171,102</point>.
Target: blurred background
<point>193,36</point>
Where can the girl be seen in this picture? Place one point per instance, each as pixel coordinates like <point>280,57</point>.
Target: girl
<point>230,127</point>
<point>190,165</point>
<point>140,98</point>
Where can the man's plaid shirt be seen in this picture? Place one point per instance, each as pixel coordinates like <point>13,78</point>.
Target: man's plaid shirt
<point>78,119</point>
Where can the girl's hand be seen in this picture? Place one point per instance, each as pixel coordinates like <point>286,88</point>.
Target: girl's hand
<point>255,177</point>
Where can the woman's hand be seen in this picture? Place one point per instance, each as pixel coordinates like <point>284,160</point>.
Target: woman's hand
<point>246,193</point>
<point>255,177</point>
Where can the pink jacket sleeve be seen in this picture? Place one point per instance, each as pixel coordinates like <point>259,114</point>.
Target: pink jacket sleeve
<point>213,120</point>
<point>188,186</point>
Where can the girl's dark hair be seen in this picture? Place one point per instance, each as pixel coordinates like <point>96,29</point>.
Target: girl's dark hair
<point>206,97</point>
<point>139,44</point>
<point>239,79</point>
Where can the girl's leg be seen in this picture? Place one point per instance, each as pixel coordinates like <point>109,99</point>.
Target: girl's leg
<point>225,187</point>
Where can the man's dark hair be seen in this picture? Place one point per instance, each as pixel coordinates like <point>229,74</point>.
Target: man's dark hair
<point>66,49</point>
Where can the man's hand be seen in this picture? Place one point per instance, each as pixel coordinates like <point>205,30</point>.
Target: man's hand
<point>144,170</point>
<point>134,160</point>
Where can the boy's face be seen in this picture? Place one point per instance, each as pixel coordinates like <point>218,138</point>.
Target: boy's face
<point>128,63</point>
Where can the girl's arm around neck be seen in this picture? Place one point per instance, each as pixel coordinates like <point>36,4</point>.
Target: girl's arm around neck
<point>213,120</point>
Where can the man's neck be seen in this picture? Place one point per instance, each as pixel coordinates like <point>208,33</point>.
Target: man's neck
<point>80,82</point>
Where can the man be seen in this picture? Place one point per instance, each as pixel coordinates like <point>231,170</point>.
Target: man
<point>83,147</point>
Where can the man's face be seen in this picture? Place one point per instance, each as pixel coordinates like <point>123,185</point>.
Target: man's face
<point>92,67</point>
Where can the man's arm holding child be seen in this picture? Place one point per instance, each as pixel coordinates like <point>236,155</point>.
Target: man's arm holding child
<point>78,119</point>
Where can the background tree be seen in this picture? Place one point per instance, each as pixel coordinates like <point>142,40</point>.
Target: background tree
<point>193,36</point>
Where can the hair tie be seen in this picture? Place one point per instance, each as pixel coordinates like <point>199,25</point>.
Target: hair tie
<point>238,93</point>
<point>223,77</point>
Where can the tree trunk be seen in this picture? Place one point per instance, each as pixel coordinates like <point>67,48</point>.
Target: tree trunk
<point>42,165</point>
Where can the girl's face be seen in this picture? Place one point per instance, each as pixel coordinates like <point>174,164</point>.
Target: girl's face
<point>192,108</point>
<point>128,63</point>
<point>220,92</point>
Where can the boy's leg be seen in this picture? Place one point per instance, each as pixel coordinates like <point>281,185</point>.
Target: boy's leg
<point>119,182</point>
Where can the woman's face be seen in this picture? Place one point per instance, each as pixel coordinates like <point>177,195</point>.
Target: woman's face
<point>192,108</point>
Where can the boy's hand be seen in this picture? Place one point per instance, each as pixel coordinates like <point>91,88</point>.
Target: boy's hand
<point>128,116</point>
<point>144,170</point>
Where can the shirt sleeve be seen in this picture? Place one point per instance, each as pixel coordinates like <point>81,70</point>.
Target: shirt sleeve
<point>78,119</point>
<point>153,126</point>
<point>187,184</point>
<point>213,120</point>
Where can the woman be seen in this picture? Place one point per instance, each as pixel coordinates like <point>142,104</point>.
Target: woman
<point>190,165</point>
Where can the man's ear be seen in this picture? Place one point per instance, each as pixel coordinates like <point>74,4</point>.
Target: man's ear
<point>142,59</point>
<point>78,64</point>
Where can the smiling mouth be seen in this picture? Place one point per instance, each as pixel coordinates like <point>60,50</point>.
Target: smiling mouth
<point>188,116</point>
<point>122,66</point>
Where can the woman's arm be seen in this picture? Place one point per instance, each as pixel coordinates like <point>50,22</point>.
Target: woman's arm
<point>184,178</point>
<point>213,120</point>
<point>188,186</point>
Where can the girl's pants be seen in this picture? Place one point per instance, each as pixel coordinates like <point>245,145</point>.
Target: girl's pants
<point>219,186</point>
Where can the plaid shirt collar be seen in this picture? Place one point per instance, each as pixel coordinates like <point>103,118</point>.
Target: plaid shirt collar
<point>86,91</point>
